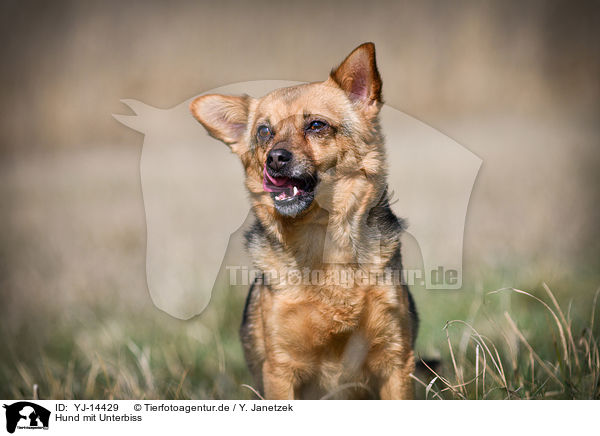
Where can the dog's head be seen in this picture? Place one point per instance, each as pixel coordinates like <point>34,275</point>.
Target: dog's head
<point>296,143</point>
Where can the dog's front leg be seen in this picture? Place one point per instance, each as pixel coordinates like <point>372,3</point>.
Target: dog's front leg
<point>399,384</point>
<point>278,382</point>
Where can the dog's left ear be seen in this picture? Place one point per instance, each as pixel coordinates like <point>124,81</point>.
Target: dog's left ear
<point>358,76</point>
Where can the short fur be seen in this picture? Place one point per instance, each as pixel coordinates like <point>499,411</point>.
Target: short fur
<point>321,340</point>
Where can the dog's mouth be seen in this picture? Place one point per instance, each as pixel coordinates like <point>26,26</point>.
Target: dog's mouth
<point>285,188</point>
<point>291,195</point>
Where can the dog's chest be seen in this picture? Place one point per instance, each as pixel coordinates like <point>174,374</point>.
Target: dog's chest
<point>333,326</point>
<point>329,343</point>
<point>320,316</point>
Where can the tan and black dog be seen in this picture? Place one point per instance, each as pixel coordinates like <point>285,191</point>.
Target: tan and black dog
<point>315,169</point>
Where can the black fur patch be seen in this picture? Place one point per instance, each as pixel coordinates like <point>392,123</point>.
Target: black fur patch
<point>254,234</point>
<point>381,215</point>
<point>413,313</point>
<point>257,236</point>
<point>247,304</point>
<point>390,226</point>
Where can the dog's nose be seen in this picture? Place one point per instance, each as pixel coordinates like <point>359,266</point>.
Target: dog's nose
<point>278,158</point>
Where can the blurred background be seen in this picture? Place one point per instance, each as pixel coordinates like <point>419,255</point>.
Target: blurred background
<point>517,83</point>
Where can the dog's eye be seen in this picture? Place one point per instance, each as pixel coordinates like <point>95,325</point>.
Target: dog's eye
<point>263,132</point>
<point>315,126</point>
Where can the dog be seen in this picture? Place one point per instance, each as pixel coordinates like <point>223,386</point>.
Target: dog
<point>315,170</point>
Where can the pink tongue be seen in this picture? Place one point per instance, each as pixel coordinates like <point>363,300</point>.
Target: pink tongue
<point>279,184</point>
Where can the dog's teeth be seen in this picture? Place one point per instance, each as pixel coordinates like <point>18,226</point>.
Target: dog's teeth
<point>295,191</point>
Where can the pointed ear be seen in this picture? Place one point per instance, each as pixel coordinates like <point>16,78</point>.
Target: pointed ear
<point>224,117</point>
<point>358,75</point>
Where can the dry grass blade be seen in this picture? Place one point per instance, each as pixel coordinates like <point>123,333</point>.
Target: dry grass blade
<point>557,321</point>
<point>531,350</point>
<point>68,382</point>
<point>91,380</point>
<point>220,352</point>
<point>449,385</point>
<point>564,321</point>
<point>532,364</point>
<point>498,365</point>
<point>24,373</point>
<point>477,371</point>
<point>422,383</point>
<point>253,390</point>
<point>180,386</point>
<point>483,373</point>
<point>457,373</point>
<point>501,368</point>
<point>429,386</point>
<point>593,314</point>
<point>142,358</point>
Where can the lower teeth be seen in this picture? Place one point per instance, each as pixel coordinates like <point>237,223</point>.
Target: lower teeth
<point>289,194</point>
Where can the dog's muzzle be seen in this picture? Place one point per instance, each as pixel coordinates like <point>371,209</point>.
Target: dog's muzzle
<point>291,195</point>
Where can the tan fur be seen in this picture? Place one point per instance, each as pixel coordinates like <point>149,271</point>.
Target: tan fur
<point>306,341</point>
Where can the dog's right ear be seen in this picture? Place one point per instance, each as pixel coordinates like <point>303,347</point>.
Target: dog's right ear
<point>224,117</point>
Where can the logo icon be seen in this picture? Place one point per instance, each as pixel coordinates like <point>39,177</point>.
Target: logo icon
<point>26,415</point>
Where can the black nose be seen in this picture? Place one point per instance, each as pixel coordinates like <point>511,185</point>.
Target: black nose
<point>278,158</point>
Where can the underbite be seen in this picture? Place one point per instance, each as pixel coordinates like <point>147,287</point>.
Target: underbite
<point>291,195</point>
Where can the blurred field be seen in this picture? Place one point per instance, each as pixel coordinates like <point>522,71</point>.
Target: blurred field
<point>516,83</point>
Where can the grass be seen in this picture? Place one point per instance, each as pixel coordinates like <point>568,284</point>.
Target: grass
<point>507,366</point>
<point>530,352</point>
<point>116,354</point>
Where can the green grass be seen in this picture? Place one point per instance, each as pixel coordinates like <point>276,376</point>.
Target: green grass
<point>509,344</point>
<point>558,357</point>
<point>113,353</point>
